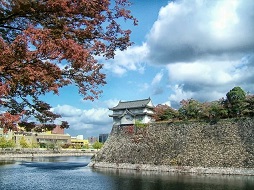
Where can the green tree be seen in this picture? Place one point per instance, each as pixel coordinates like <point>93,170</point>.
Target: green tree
<point>97,145</point>
<point>236,95</point>
<point>23,142</point>
<point>86,146</point>
<point>164,112</point>
<point>51,146</point>
<point>190,109</point>
<point>236,101</point>
<point>213,111</point>
<point>35,145</point>
<point>3,142</point>
<point>249,106</point>
<point>11,144</point>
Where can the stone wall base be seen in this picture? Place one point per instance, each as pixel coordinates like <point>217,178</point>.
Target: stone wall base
<point>176,169</point>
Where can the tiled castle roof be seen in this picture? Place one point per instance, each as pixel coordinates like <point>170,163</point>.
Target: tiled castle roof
<point>132,104</point>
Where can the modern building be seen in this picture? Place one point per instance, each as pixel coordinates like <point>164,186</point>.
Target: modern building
<point>92,140</point>
<point>129,112</point>
<point>42,138</point>
<point>56,137</point>
<point>29,137</point>
<point>79,140</point>
<point>53,138</point>
<point>103,138</point>
<point>7,135</point>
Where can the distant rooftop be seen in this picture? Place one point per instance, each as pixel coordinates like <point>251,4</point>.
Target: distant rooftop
<point>132,104</point>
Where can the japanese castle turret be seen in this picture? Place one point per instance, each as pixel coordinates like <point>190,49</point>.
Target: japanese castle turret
<point>129,112</point>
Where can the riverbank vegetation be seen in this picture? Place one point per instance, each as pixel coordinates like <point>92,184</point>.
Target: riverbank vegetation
<point>237,104</point>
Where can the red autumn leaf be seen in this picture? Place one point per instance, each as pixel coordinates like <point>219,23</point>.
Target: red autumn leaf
<point>37,36</point>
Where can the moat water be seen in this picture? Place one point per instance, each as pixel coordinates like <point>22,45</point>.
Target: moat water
<point>64,173</point>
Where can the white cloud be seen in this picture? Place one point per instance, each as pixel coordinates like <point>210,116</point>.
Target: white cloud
<point>193,29</point>
<point>95,116</point>
<point>131,59</point>
<point>202,94</point>
<point>167,103</point>
<point>156,80</point>
<point>78,119</point>
<point>206,46</point>
<point>143,87</point>
<point>207,81</point>
<point>178,95</point>
<point>67,110</point>
<point>111,103</point>
<point>155,86</point>
<point>206,73</point>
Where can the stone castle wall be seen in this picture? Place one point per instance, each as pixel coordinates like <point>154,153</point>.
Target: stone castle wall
<point>228,143</point>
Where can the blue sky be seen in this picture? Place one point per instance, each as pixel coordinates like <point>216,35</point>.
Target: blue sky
<point>183,49</point>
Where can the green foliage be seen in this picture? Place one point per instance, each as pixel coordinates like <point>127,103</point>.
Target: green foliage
<point>35,145</point>
<point>42,145</point>
<point>4,143</point>
<point>249,106</point>
<point>23,143</point>
<point>237,104</point>
<point>97,145</point>
<point>51,146</point>
<point>236,95</point>
<point>11,144</point>
<point>235,101</point>
<point>65,145</point>
<point>164,112</point>
<point>190,109</point>
<point>213,111</point>
<point>76,146</point>
<point>86,146</point>
<point>139,124</point>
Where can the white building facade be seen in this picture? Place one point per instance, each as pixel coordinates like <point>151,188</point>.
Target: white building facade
<point>130,112</point>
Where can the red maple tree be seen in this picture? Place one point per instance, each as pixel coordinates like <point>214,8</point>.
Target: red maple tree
<point>49,44</point>
<point>8,121</point>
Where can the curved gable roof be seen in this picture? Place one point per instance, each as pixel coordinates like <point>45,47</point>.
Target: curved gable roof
<point>132,104</point>
<point>127,112</point>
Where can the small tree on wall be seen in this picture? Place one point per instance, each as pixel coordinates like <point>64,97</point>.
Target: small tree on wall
<point>164,112</point>
<point>236,101</point>
<point>249,106</point>
<point>190,109</point>
<point>139,124</point>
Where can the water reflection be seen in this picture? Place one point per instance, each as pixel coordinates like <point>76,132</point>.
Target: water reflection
<point>48,159</point>
<point>54,165</point>
<point>58,173</point>
<point>5,162</point>
<point>131,179</point>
